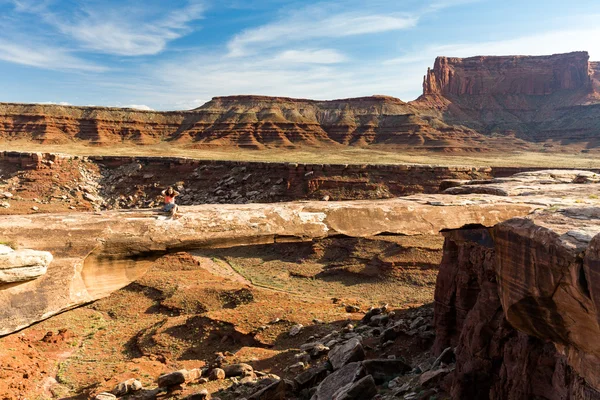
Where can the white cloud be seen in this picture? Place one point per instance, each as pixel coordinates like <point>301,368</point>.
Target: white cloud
<point>312,23</point>
<point>317,56</point>
<point>44,56</point>
<point>142,107</point>
<point>119,31</point>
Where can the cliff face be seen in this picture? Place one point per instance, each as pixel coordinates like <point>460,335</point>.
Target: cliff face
<point>519,75</point>
<point>539,99</point>
<point>520,303</point>
<point>245,121</point>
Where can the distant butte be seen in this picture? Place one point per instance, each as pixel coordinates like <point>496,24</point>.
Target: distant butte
<point>468,104</point>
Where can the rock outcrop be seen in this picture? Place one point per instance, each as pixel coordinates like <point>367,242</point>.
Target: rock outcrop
<point>509,75</point>
<point>22,265</point>
<point>519,302</point>
<point>552,99</point>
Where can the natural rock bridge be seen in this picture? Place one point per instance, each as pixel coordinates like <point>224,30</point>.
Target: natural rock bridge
<point>98,253</point>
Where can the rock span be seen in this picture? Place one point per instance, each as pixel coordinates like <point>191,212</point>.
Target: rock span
<point>97,253</point>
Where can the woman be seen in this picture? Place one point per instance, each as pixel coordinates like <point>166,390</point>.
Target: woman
<point>170,205</point>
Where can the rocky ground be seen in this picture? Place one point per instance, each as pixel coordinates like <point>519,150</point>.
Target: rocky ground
<point>197,312</point>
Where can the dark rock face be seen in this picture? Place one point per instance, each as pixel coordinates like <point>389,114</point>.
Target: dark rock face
<point>493,359</point>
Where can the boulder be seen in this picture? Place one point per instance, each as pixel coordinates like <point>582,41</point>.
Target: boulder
<point>311,377</point>
<point>22,265</point>
<point>433,377</point>
<point>240,369</point>
<point>348,374</point>
<point>346,353</point>
<point>105,396</point>
<point>216,374</point>
<point>172,378</point>
<point>363,389</point>
<point>278,390</point>
<point>384,370</point>
<point>127,387</point>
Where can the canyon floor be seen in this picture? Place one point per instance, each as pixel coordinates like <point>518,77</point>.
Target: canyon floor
<point>189,307</point>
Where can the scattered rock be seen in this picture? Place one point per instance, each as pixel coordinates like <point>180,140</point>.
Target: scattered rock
<point>433,377</point>
<point>240,369</point>
<point>311,377</point>
<point>127,387</point>
<point>363,389</point>
<point>295,330</point>
<point>348,374</point>
<point>172,378</point>
<point>352,308</point>
<point>384,370</point>
<point>278,390</point>
<point>217,374</point>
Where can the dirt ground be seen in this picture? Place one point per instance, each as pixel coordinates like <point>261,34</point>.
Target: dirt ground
<point>241,301</point>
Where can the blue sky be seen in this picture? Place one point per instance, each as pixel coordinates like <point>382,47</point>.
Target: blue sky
<point>178,54</point>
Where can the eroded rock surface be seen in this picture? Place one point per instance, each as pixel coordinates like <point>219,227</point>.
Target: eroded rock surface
<point>519,301</point>
<point>22,265</point>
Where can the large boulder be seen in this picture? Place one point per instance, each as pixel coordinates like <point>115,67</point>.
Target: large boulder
<point>22,265</point>
<point>348,374</point>
<point>346,353</point>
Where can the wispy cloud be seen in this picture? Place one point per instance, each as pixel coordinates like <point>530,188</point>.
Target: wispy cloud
<point>313,23</point>
<point>121,30</point>
<point>113,33</point>
<point>44,56</point>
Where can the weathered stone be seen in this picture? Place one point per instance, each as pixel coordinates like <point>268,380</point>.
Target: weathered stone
<point>363,389</point>
<point>216,374</point>
<point>346,353</point>
<point>240,369</point>
<point>276,391</point>
<point>433,377</point>
<point>348,374</point>
<point>447,356</point>
<point>23,265</point>
<point>352,308</point>
<point>311,377</point>
<point>127,387</point>
<point>295,330</point>
<point>383,370</point>
<point>172,378</point>
<point>193,375</point>
<point>113,252</point>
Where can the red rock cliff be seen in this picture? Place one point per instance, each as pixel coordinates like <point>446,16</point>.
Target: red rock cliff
<point>527,75</point>
<point>519,301</point>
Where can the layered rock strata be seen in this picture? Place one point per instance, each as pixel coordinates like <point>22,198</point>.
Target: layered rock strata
<point>552,99</point>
